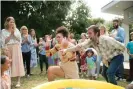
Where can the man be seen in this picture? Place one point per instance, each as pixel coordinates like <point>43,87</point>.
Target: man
<point>107,47</point>
<point>130,52</point>
<point>118,33</point>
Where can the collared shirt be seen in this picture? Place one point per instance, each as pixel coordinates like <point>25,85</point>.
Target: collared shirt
<point>119,34</point>
<point>107,47</point>
<point>26,46</point>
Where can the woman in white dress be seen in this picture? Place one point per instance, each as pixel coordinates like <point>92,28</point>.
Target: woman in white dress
<point>12,39</point>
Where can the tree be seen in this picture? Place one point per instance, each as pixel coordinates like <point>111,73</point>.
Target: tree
<point>96,21</point>
<point>43,16</point>
<point>77,21</point>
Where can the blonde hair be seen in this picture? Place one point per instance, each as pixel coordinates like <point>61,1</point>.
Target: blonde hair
<point>131,33</point>
<point>3,50</point>
<point>6,25</point>
<point>71,35</point>
<point>105,29</point>
<point>23,28</point>
<point>84,34</point>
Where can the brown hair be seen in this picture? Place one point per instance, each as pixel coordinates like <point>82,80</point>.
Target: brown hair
<point>95,29</point>
<point>116,20</point>
<point>7,21</point>
<point>34,37</point>
<point>63,30</point>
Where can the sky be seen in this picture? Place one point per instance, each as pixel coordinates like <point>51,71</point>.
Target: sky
<point>96,6</point>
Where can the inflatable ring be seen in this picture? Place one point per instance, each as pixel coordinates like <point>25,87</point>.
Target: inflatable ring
<point>77,84</point>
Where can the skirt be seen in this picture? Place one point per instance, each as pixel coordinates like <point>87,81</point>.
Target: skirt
<point>17,67</point>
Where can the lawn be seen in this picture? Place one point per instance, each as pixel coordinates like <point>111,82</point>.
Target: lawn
<point>37,78</point>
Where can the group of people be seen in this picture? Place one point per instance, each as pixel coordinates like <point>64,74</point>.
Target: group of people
<point>71,58</point>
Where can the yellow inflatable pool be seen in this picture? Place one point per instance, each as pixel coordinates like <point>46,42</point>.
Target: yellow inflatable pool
<point>77,84</point>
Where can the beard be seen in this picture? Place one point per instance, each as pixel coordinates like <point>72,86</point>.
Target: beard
<point>115,27</point>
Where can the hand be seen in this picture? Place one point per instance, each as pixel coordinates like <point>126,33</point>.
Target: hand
<point>78,46</point>
<point>132,55</point>
<point>63,52</point>
<point>112,36</point>
<point>35,44</point>
<point>47,47</point>
<point>12,31</point>
<point>48,39</point>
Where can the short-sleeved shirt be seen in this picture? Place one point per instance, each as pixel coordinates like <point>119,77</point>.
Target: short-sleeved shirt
<point>90,62</point>
<point>130,47</point>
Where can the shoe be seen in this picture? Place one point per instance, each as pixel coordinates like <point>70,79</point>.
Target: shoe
<point>31,74</point>
<point>119,79</point>
<point>129,80</point>
<point>28,75</point>
<point>18,85</point>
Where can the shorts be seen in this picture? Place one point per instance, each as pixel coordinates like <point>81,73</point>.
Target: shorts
<point>91,72</point>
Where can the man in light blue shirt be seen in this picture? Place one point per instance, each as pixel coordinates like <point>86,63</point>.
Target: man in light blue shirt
<point>119,34</point>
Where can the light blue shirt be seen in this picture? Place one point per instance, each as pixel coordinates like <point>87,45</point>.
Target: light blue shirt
<point>130,47</point>
<point>43,51</point>
<point>26,46</point>
<point>120,34</point>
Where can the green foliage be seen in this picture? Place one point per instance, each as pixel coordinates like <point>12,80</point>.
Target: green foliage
<point>78,20</point>
<point>43,16</point>
<point>96,21</point>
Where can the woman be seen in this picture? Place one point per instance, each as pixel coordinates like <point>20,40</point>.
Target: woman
<point>26,42</point>
<point>83,38</point>
<point>81,63</point>
<point>5,79</point>
<point>12,39</point>
<point>33,48</point>
<point>103,31</point>
<point>68,67</point>
<point>71,38</point>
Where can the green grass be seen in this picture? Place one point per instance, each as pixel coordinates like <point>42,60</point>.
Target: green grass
<point>36,79</point>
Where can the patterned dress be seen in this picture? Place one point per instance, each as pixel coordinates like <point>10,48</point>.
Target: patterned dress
<point>33,53</point>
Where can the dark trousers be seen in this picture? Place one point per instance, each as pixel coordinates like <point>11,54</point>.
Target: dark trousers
<point>26,60</point>
<point>131,69</point>
<point>120,71</point>
<point>104,70</point>
<point>110,72</point>
<point>44,59</point>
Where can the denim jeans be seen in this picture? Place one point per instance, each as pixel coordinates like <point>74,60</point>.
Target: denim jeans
<point>99,58</point>
<point>115,63</point>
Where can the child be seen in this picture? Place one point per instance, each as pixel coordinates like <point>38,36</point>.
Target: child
<point>42,55</point>
<point>5,52</point>
<point>90,64</point>
<point>83,66</point>
<point>5,79</point>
